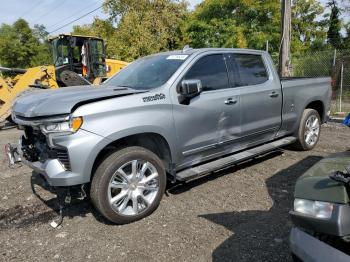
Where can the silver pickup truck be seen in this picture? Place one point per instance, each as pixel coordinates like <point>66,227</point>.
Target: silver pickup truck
<point>175,115</point>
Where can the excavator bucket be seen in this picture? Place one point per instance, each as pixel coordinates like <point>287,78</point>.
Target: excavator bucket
<point>114,66</point>
<point>26,81</point>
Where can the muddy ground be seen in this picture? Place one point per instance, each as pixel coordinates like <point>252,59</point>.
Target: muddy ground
<point>238,214</point>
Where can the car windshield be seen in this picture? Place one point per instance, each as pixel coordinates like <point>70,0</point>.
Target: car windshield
<point>148,72</point>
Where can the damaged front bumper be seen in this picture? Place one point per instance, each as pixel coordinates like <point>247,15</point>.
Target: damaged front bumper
<point>81,151</point>
<point>54,173</point>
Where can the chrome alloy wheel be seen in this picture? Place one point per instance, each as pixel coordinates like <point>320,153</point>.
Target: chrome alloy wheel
<point>133,187</point>
<point>312,130</point>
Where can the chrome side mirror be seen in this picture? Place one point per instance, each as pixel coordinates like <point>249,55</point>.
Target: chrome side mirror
<point>190,88</point>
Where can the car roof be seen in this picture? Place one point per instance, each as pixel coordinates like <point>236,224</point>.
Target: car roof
<point>190,51</point>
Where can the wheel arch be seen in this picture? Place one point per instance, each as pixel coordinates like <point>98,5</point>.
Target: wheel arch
<point>317,105</point>
<point>152,141</point>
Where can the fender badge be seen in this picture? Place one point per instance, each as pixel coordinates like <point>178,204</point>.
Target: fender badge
<point>156,97</point>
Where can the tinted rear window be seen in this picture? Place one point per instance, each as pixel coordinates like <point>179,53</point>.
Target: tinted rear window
<point>251,69</point>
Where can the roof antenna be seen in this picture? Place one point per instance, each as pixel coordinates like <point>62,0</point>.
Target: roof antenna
<point>186,48</point>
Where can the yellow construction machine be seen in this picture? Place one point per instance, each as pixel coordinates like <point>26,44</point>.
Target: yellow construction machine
<point>78,60</point>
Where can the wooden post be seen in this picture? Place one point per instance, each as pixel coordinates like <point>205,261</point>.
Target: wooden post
<point>286,17</point>
<point>341,87</point>
<point>334,57</point>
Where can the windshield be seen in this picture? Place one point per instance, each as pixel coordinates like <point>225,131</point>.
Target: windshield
<point>97,57</point>
<point>60,48</point>
<point>148,72</point>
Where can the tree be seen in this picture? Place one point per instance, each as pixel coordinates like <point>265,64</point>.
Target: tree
<point>334,36</point>
<point>308,31</point>
<point>346,40</point>
<point>20,47</point>
<point>144,26</point>
<point>234,23</point>
<point>99,28</point>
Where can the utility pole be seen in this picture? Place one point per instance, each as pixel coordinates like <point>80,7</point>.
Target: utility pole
<point>286,24</point>
<point>267,45</point>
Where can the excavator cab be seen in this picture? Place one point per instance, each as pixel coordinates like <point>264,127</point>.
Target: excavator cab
<point>78,60</point>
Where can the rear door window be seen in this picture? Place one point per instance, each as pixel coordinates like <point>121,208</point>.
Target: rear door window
<point>251,69</point>
<point>212,72</point>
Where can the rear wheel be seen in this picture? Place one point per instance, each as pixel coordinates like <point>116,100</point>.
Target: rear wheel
<point>309,130</point>
<point>128,185</point>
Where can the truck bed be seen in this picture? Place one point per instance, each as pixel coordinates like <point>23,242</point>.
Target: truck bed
<point>298,93</point>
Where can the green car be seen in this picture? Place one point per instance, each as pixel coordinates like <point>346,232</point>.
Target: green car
<point>321,213</point>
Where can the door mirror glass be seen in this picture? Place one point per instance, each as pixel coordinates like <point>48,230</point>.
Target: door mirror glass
<point>190,88</point>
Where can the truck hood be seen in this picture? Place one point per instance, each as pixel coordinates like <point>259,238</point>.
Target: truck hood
<point>316,184</point>
<point>64,100</point>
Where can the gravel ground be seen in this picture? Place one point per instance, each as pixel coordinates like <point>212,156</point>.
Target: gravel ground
<point>237,214</point>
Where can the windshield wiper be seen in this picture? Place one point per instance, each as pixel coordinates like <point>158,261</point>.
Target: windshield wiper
<point>126,86</point>
<point>138,88</point>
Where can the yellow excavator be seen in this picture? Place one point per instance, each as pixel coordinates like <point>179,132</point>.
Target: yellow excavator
<point>78,60</point>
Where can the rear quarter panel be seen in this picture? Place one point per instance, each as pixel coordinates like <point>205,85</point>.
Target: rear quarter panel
<point>297,95</point>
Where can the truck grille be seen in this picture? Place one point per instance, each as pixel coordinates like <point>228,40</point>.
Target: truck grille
<point>63,157</point>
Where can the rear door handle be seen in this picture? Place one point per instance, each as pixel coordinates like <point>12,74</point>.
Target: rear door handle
<point>274,94</point>
<point>230,101</point>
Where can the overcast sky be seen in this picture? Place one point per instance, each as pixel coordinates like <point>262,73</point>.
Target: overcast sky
<point>53,13</point>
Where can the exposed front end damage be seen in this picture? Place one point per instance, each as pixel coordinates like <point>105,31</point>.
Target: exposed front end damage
<point>59,157</point>
<point>50,155</point>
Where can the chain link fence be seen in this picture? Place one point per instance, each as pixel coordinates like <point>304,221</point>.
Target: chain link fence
<point>334,63</point>
<point>341,90</point>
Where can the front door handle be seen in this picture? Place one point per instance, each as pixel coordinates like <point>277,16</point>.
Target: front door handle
<point>230,101</point>
<point>274,94</point>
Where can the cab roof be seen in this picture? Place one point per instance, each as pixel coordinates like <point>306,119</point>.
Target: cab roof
<point>190,51</point>
<point>74,35</point>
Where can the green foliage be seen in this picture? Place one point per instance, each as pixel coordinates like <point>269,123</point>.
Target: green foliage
<point>99,28</point>
<point>138,27</point>
<point>21,46</point>
<point>234,23</point>
<point>144,27</point>
<point>313,64</point>
<point>334,35</point>
<point>247,23</point>
<point>308,31</point>
<point>347,38</point>
<point>141,27</point>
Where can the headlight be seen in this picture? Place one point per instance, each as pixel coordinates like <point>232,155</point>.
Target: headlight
<point>70,126</point>
<point>316,209</point>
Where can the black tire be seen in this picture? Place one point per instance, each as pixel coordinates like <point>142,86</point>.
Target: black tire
<point>10,120</point>
<point>301,144</point>
<point>295,258</point>
<point>104,173</point>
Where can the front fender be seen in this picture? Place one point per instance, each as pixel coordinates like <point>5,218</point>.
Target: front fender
<point>123,134</point>
<point>146,129</point>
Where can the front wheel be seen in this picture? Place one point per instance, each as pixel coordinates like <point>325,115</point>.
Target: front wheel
<point>309,130</point>
<point>128,185</point>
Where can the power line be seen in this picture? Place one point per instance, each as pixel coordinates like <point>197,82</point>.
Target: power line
<point>32,8</point>
<point>76,19</point>
<point>53,9</point>
<point>73,14</point>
